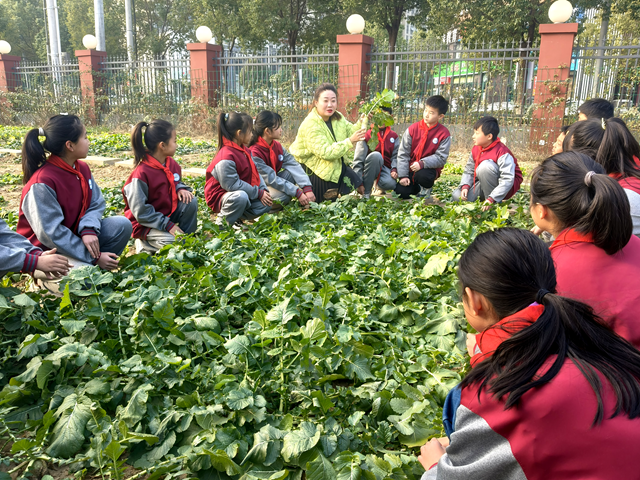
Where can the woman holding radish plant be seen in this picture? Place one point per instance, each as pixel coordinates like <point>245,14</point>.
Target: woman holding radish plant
<point>324,146</point>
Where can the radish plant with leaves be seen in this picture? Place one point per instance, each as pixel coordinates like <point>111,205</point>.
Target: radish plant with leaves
<point>379,117</point>
<point>318,343</point>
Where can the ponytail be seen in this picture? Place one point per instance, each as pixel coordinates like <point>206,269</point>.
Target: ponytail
<point>265,119</point>
<point>590,203</point>
<point>618,148</point>
<point>513,268</point>
<point>156,132</point>
<point>58,130</point>
<point>229,123</point>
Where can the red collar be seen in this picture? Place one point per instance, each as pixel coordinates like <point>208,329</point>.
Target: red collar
<point>489,340</point>
<point>569,235</point>
<point>497,141</point>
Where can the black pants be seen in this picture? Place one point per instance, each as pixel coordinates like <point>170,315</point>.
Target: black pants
<point>349,181</point>
<point>425,177</point>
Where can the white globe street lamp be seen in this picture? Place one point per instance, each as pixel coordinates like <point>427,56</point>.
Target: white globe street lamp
<point>355,24</point>
<point>90,42</point>
<point>5,48</point>
<point>203,34</point>
<point>560,11</point>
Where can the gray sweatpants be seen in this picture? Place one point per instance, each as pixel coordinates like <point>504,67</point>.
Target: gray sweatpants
<point>185,217</point>
<point>374,166</point>
<point>236,205</point>
<point>487,178</point>
<point>279,195</point>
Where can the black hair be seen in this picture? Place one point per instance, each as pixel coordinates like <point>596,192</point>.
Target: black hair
<point>323,87</point>
<point>510,267</point>
<point>608,142</point>
<point>230,123</point>
<point>389,110</point>
<point>597,108</point>
<point>564,129</point>
<point>439,103</point>
<point>265,119</point>
<point>58,130</point>
<point>596,206</point>
<point>156,132</point>
<point>488,125</point>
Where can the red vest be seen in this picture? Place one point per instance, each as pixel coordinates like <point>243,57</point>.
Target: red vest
<point>213,191</point>
<point>159,196</point>
<point>67,187</point>
<point>606,282</point>
<point>390,139</point>
<point>262,152</point>
<point>435,136</point>
<point>493,152</point>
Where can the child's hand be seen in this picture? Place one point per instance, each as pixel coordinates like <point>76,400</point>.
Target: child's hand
<point>405,182</point>
<point>486,206</point>
<point>266,199</point>
<point>537,230</point>
<point>176,230</point>
<point>185,196</point>
<point>471,344</point>
<point>464,194</point>
<point>108,261</point>
<point>93,245</point>
<point>394,175</point>
<point>415,166</point>
<point>53,266</point>
<point>430,453</point>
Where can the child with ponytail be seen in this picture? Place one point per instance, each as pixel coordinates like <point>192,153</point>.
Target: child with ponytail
<point>61,205</point>
<point>612,145</point>
<point>597,258</point>
<point>157,202</point>
<point>553,392</point>
<point>282,174</point>
<point>234,189</point>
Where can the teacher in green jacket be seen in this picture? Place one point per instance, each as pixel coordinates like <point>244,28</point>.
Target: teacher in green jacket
<point>324,145</point>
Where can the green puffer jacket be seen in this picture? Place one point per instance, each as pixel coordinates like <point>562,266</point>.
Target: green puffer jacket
<point>315,147</point>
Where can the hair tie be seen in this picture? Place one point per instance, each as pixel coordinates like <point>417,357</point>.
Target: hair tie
<point>226,117</point>
<point>587,178</point>
<point>541,294</point>
<point>41,132</point>
<point>604,127</point>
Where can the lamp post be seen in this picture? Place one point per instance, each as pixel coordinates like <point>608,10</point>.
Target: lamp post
<point>8,68</point>
<point>90,42</point>
<point>560,11</point>
<point>355,24</point>
<point>5,48</point>
<point>203,34</point>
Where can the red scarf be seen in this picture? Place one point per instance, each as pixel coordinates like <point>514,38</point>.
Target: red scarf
<point>84,184</point>
<point>255,176</point>
<point>569,235</point>
<point>489,340</point>
<point>273,158</point>
<point>417,153</point>
<point>154,163</point>
<point>383,139</point>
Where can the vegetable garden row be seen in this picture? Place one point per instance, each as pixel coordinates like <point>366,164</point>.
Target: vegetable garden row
<point>316,343</point>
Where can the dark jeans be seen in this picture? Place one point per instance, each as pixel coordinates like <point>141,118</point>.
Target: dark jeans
<point>425,177</point>
<point>321,186</point>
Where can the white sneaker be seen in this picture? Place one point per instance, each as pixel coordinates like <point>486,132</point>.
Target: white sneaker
<point>366,196</point>
<point>424,192</point>
<point>144,246</point>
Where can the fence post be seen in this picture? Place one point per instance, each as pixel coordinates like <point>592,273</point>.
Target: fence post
<point>205,72</point>
<point>90,66</point>
<point>353,68</point>
<point>9,72</point>
<point>551,83</point>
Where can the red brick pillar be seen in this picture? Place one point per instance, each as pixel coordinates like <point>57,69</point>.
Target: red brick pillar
<point>352,68</point>
<point>206,72</point>
<point>9,80</point>
<point>551,85</point>
<point>90,65</point>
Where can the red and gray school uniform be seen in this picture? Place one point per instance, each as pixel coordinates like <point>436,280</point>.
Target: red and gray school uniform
<point>631,187</point>
<point>379,163</point>
<point>52,216</point>
<point>427,146</point>
<point>548,435</point>
<point>608,283</point>
<point>17,254</point>
<point>492,174</point>
<point>233,186</point>
<point>150,196</point>
<point>281,172</point>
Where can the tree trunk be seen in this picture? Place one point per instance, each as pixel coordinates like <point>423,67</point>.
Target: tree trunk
<point>292,38</point>
<point>604,30</point>
<point>391,68</point>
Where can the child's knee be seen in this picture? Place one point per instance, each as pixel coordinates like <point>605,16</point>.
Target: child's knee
<point>375,158</point>
<point>456,195</point>
<point>487,167</point>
